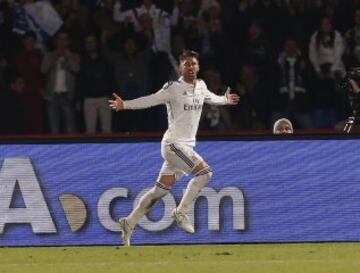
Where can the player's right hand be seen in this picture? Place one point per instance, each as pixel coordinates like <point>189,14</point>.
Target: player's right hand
<point>117,103</point>
<point>232,98</point>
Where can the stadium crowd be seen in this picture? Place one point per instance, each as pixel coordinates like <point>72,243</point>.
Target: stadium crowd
<point>61,60</point>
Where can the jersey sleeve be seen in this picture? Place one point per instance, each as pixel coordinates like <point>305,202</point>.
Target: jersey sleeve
<point>211,98</point>
<point>160,97</point>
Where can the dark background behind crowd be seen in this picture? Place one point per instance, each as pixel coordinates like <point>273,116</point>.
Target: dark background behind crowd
<point>61,60</point>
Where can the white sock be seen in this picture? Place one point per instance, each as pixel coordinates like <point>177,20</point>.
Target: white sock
<point>146,202</point>
<point>193,188</point>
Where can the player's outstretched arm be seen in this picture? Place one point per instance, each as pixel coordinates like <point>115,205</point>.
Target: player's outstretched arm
<point>226,99</point>
<point>232,99</point>
<point>160,97</point>
<point>117,103</point>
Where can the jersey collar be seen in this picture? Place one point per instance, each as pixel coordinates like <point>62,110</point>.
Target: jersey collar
<point>181,79</point>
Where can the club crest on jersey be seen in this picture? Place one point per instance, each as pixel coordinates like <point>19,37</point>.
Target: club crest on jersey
<point>184,93</point>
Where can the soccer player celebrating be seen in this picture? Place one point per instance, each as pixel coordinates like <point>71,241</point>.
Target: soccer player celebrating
<point>184,99</point>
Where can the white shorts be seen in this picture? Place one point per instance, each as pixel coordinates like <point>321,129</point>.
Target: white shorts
<point>179,159</point>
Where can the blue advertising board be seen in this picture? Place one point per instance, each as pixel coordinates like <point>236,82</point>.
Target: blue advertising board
<point>261,191</point>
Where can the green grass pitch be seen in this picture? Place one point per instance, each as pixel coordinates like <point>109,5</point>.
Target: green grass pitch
<point>249,258</point>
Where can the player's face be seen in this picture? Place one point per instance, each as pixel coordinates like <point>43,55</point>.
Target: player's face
<point>283,128</point>
<point>189,69</point>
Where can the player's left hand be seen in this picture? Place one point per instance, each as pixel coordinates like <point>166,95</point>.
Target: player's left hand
<point>232,99</point>
<point>117,103</point>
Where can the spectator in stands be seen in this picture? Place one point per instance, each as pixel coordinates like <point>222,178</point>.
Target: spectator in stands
<point>207,38</point>
<point>252,111</point>
<point>325,53</point>
<point>215,118</point>
<point>37,16</point>
<point>296,19</point>
<point>240,20</point>
<point>339,12</point>
<point>257,50</point>
<point>159,20</point>
<point>228,34</point>
<point>291,96</point>
<point>95,86</point>
<point>12,110</point>
<point>131,64</point>
<point>272,15</point>
<point>188,15</point>
<point>283,126</point>
<point>131,73</point>
<point>61,67</point>
<point>102,18</point>
<point>352,41</point>
<point>27,62</point>
<point>75,16</point>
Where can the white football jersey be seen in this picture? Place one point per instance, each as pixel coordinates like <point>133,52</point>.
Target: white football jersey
<point>184,103</point>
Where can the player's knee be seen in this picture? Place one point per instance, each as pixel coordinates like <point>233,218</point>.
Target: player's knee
<point>201,166</point>
<point>205,173</point>
<point>209,175</point>
<point>167,180</point>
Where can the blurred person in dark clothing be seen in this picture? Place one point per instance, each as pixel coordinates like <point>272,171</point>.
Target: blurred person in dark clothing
<point>337,10</point>
<point>352,42</point>
<point>95,86</point>
<point>252,112</point>
<point>224,51</point>
<point>238,19</point>
<point>131,65</point>
<point>204,25</point>
<point>256,49</point>
<point>213,117</point>
<point>296,17</point>
<point>189,11</point>
<point>61,67</point>
<point>200,40</point>
<point>12,110</point>
<point>272,14</point>
<point>27,62</point>
<point>102,18</point>
<point>76,19</point>
<point>291,96</point>
<point>326,50</point>
<point>132,76</point>
<point>209,39</point>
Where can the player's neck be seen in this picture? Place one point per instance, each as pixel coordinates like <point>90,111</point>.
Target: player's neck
<point>189,80</point>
